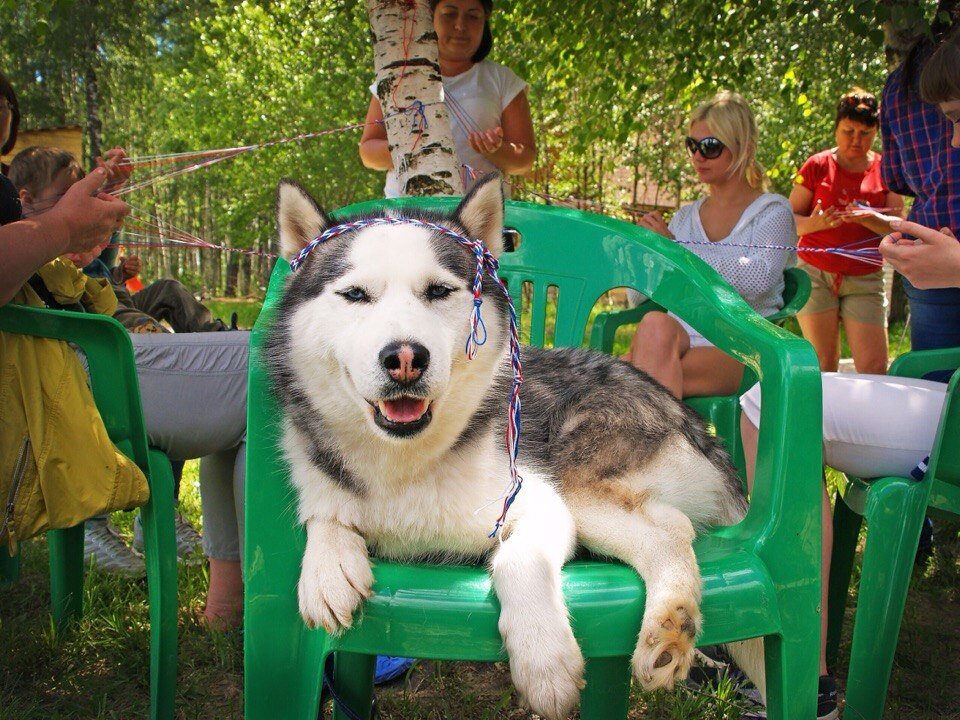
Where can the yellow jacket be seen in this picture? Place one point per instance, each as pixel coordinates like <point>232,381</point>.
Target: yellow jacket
<point>57,463</point>
<point>68,286</point>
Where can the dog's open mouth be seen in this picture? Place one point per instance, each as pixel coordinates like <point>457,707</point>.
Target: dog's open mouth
<point>402,416</point>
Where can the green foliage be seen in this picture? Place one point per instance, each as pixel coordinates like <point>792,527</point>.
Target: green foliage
<point>612,84</point>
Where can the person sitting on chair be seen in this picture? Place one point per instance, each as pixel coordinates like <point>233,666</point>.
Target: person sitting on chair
<point>42,175</point>
<point>744,233</point>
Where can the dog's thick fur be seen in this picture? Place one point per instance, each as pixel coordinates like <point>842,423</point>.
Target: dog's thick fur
<point>395,442</point>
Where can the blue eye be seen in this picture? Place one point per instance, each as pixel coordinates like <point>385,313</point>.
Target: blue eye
<point>354,294</point>
<point>438,292</point>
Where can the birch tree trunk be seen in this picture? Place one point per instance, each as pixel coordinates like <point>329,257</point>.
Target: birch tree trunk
<point>408,70</point>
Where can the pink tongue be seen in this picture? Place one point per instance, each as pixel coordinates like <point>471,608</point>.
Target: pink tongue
<point>404,409</point>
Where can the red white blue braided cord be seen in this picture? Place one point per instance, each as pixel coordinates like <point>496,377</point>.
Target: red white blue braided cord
<point>486,264</point>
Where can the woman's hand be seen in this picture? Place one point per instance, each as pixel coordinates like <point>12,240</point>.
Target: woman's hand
<point>117,171</point>
<point>487,142</point>
<point>654,221</point>
<point>86,216</point>
<point>820,219</point>
<point>930,261</point>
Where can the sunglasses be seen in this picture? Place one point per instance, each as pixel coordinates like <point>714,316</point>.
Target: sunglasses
<point>710,147</point>
<point>868,101</point>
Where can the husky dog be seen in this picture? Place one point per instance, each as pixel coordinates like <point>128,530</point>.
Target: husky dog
<point>395,443</point>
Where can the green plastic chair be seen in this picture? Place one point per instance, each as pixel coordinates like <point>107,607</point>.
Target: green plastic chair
<point>113,378</point>
<point>761,577</point>
<point>721,411</point>
<point>894,509</point>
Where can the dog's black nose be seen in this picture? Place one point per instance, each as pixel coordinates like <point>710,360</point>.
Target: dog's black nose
<point>405,362</point>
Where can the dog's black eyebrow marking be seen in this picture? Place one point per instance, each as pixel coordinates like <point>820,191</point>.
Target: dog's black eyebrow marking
<point>454,257</point>
<point>310,285</point>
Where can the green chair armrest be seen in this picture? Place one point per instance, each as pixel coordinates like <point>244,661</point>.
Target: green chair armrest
<point>918,363</point>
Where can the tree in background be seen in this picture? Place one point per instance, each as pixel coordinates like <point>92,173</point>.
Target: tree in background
<point>610,84</point>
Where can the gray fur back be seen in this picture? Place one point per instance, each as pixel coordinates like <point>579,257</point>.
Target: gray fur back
<point>581,406</point>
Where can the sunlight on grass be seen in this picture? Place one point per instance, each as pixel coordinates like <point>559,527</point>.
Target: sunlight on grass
<point>247,310</point>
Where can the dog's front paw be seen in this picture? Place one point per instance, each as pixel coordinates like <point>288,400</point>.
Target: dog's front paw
<point>545,663</point>
<point>664,650</point>
<point>331,588</point>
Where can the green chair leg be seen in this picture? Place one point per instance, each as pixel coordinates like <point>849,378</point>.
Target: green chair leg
<point>9,567</point>
<point>353,681</point>
<point>846,533</point>
<point>787,664</point>
<point>160,553</point>
<point>280,683</point>
<point>66,574</point>
<point>894,514</point>
<point>607,693</point>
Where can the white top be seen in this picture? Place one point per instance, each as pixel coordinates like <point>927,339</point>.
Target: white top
<point>755,272</point>
<point>475,101</point>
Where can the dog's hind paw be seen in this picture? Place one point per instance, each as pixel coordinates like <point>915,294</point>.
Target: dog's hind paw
<point>546,666</point>
<point>331,588</point>
<point>664,650</point>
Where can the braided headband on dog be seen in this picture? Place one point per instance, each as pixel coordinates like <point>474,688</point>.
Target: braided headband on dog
<point>486,263</point>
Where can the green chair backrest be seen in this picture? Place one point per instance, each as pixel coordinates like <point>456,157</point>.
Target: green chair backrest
<point>945,455</point>
<point>796,292</point>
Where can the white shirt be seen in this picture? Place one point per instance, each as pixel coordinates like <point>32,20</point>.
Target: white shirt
<point>755,272</point>
<point>475,101</point>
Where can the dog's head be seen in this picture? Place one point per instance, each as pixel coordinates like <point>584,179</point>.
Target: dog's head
<point>376,318</point>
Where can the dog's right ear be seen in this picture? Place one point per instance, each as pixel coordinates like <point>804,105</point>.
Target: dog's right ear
<point>299,218</point>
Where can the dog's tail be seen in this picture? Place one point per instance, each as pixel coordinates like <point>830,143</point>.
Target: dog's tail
<point>748,655</point>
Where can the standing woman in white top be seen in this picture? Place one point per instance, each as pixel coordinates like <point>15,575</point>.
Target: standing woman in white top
<point>490,115</point>
<point>731,229</point>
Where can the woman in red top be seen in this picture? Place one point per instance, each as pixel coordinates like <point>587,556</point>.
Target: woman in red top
<point>828,189</point>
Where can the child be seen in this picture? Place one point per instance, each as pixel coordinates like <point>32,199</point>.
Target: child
<point>42,175</point>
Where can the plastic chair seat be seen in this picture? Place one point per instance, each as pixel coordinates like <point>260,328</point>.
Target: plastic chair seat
<point>409,598</point>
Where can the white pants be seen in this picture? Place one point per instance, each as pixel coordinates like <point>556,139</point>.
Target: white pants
<point>873,425</point>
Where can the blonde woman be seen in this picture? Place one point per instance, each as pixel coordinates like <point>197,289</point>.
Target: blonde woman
<point>732,229</point>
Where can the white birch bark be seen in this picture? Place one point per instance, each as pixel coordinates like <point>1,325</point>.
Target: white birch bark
<point>428,166</point>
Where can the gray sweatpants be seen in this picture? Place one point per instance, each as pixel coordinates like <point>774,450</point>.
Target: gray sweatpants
<point>193,387</point>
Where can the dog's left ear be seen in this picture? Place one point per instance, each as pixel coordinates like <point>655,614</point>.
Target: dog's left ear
<point>481,212</point>
<point>299,218</point>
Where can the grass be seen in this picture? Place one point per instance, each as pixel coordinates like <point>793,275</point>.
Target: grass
<point>98,668</point>
<point>247,310</point>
